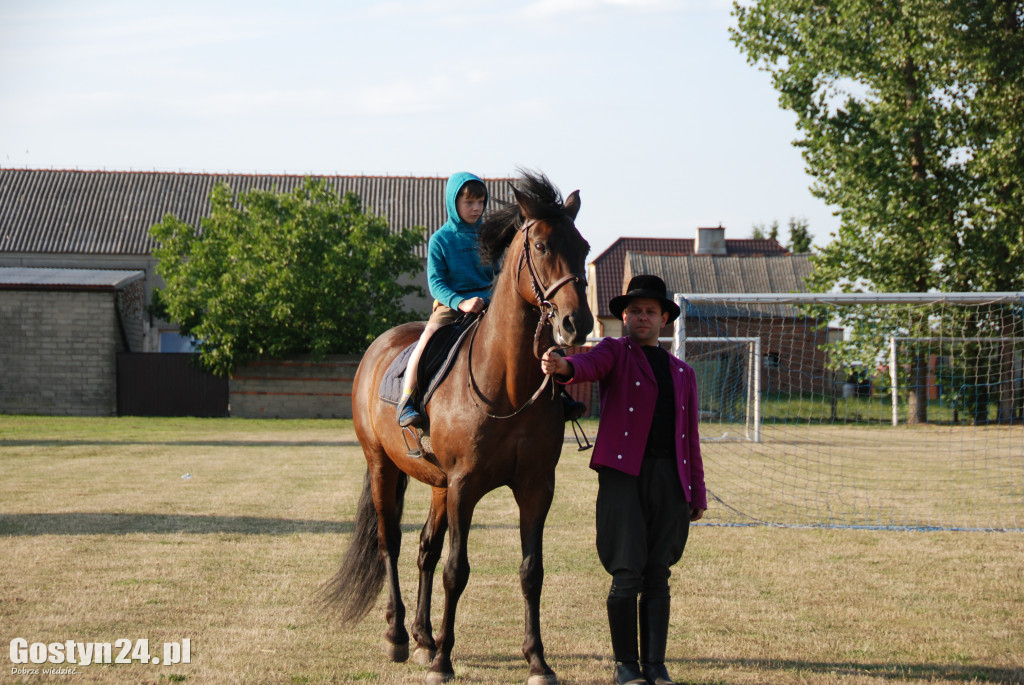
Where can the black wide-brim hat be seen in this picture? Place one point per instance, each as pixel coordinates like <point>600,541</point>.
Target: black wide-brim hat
<point>646,286</point>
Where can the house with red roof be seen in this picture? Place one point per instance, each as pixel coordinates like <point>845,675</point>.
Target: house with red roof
<point>608,275</point>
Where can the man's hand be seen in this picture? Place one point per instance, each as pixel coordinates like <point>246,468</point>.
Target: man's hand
<point>697,514</point>
<point>553,363</point>
<point>472,305</point>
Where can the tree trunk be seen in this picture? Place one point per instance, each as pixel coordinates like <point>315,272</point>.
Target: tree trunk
<point>917,390</point>
<point>1007,398</point>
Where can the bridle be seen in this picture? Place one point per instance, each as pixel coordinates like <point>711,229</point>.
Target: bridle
<point>542,295</point>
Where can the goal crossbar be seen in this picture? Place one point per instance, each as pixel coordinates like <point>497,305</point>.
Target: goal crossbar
<point>851,298</point>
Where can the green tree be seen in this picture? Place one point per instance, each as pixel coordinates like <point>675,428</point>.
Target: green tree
<point>910,117</point>
<point>276,274</point>
<point>799,236</point>
<point>761,232</point>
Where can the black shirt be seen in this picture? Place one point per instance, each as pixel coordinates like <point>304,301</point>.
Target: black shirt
<point>661,442</point>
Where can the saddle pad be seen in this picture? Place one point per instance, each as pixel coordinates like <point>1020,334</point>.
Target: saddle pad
<point>391,384</point>
<point>435,363</point>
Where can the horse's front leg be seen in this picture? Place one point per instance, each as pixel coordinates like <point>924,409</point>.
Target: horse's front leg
<point>431,543</point>
<point>455,578</point>
<point>534,502</point>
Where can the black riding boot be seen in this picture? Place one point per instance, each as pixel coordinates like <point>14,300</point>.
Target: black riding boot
<point>654,614</point>
<point>573,410</point>
<point>622,622</point>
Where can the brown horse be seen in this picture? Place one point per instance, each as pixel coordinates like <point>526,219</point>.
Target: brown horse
<point>486,431</point>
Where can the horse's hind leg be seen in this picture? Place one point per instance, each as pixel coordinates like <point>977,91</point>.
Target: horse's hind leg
<point>431,543</point>
<point>534,502</point>
<point>388,485</point>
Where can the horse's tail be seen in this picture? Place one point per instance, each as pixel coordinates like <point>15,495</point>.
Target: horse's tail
<point>351,593</point>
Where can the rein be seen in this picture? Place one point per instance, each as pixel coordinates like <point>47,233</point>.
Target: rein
<point>547,312</point>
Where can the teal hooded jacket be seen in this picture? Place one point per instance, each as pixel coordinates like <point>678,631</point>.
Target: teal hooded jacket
<point>454,271</point>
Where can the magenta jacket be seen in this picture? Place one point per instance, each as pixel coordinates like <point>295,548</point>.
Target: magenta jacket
<point>628,394</point>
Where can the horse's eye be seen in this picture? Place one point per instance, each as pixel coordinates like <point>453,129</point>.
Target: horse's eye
<point>540,247</point>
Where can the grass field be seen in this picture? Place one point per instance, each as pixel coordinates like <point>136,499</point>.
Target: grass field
<point>959,477</point>
<point>221,531</point>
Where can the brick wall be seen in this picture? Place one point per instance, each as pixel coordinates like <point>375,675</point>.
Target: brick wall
<point>58,352</point>
<point>294,388</point>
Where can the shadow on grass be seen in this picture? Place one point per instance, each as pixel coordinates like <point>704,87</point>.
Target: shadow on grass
<point>897,672</point>
<point>77,523</point>
<point>768,670</point>
<point>183,443</point>
<point>89,523</point>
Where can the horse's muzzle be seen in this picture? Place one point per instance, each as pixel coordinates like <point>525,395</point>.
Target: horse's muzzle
<point>573,328</point>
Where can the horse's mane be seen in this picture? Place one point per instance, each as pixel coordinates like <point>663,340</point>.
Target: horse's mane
<point>501,224</point>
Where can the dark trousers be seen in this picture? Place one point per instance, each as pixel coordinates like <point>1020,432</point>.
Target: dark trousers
<point>642,525</point>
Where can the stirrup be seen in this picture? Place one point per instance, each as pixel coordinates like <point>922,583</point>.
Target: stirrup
<point>413,444</point>
<point>582,441</point>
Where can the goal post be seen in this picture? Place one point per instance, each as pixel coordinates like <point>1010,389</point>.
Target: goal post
<point>901,410</point>
<point>746,385</point>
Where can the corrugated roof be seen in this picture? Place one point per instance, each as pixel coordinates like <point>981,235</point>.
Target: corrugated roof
<point>609,267</point>
<point>691,274</point>
<point>111,212</point>
<point>26,278</point>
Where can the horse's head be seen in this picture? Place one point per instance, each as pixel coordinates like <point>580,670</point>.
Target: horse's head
<point>552,259</point>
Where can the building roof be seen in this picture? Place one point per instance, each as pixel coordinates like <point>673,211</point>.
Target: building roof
<point>609,267</point>
<point>692,274</point>
<point>111,212</point>
<point>25,278</point>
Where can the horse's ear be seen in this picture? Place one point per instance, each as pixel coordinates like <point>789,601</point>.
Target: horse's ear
<point>527,203</point>
<point>572,204</point>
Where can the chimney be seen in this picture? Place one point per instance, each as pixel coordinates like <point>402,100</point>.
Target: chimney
<point>711,240</point>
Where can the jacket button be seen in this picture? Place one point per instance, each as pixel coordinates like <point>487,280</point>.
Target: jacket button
<point>631,408</point>
<point>638,382</point>
<point>627,434</point>
<point>684,461</point>
<point>684,435</point>
<point>620,456</point>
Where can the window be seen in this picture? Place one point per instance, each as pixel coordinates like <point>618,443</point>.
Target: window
<point>172,341</point>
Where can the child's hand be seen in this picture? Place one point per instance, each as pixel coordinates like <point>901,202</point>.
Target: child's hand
<point>553,363</point>
<point>472,305</point>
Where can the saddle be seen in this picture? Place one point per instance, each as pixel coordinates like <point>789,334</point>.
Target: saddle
<point>435,363</point>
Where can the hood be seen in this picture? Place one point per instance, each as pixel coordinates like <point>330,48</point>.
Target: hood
<point>455,183</point>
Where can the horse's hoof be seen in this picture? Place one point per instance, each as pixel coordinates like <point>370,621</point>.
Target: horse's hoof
<point>546,679</point>
<point>397,653</point>
<point>422,656</point>
<point>435,678</point>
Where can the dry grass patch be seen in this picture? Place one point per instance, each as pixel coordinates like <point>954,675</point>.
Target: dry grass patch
<point>103,539</point>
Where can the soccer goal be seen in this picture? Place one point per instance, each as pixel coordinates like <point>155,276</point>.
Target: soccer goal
<point>898,410</point>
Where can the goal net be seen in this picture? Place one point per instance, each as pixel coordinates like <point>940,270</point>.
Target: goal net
<point>900,410</point>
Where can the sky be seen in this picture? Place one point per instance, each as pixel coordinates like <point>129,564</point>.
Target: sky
<point>645,106</point>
